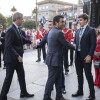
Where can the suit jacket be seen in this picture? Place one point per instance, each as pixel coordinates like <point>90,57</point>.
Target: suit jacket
<point>87,43</point>
<point>13,45</point>
<point>56,42</point>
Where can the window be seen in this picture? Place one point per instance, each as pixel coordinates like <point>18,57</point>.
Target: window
<point>39,8</point>
<point>46,7</point>
<point>43,7</point>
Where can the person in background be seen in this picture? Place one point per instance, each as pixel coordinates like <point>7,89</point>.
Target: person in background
<point>97,58</point>
<point>39,36</point>
<point>2,43</point>
<point>28,37</point>
<point>34,40</point>
<point>72,36</point>
<point>24,35</point>
<point>67,35</point>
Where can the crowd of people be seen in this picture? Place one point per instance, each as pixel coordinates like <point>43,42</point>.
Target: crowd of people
<point>82,40</point>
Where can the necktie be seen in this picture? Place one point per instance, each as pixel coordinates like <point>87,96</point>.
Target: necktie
<point>80,36</point>
<point>19,29</point>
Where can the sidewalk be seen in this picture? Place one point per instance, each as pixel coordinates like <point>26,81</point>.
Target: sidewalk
<point>36,76</point>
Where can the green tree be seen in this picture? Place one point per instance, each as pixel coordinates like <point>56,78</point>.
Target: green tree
<point>2,20</point>
<point>30,24</point>
<point>13,9</point>
<point>34,11</point>
<point>9,21</point>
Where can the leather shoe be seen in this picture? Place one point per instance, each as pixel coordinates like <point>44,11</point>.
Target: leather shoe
<point>38,60</point>
<point>78,93</point>
<point>63,91</point>
<point>62,98</point>
<point>91,98</point>
<point>66,73</point>
<point>26,95</point>
<point>47,99</point>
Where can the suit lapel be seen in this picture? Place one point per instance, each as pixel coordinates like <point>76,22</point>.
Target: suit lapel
<point>85,32</point>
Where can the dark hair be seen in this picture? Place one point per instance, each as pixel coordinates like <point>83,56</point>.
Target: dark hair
<point>56,18</point>
<point>84,16</point>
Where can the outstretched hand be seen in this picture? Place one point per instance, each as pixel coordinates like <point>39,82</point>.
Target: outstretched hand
<point>35,46</point>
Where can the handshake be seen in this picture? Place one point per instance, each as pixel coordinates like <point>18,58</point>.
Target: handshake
<point>35,47</point>
<point>73,45</point>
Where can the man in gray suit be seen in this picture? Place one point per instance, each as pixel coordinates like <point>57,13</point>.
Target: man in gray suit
<point>54,58</point>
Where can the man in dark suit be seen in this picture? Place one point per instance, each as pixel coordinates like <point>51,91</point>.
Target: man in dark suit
<point>54,58</point>
<point>2,38</point>
<point>1,32</point>
<point>85,41</point>
<point>42,43</point>
<point>13,57</point>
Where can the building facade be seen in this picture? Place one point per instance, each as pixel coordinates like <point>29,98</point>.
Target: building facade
<point>50,8</point>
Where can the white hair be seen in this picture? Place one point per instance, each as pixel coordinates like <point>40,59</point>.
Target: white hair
<point>17,15</point>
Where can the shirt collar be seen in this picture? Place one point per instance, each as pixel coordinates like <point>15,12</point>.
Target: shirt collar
<point>84,26</point>
<point>15,25</point>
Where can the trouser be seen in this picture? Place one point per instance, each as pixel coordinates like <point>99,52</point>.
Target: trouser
<point>54,77</point>
<point>39,53</point>
<point>80,65</point>
<point>65,57</point>
<point>71,56</point>
<point>10,68</point>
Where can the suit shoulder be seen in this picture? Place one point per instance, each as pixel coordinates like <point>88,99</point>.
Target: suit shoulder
<point>10,29</point>
<point>91,28</point>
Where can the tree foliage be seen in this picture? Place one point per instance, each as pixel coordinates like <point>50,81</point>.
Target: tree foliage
<point>2,20</point>
<point>34,11</point>
<point>9,21</point>
<point>30,24</point>
<point>13,9</point>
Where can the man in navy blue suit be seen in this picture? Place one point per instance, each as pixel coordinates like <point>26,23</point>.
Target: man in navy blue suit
<point>85,42</point>
<point>54,58</point>
<point>43,42</point>
<point>13,57</point>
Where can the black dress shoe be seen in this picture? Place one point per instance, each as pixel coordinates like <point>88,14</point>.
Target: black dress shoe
<point>78,93</point>
<point>38,60</point>
<point>62,98</point>
<point>4,67</point>
<point>66,72</point>
<point>63,91</point>
<point>26,95</point>
<point>47,99</point>
<point>91,98</point>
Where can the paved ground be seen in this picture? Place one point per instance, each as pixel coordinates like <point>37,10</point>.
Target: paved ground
<point>36,76</point>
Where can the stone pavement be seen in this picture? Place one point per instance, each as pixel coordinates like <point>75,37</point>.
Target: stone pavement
<point>36,76</point>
